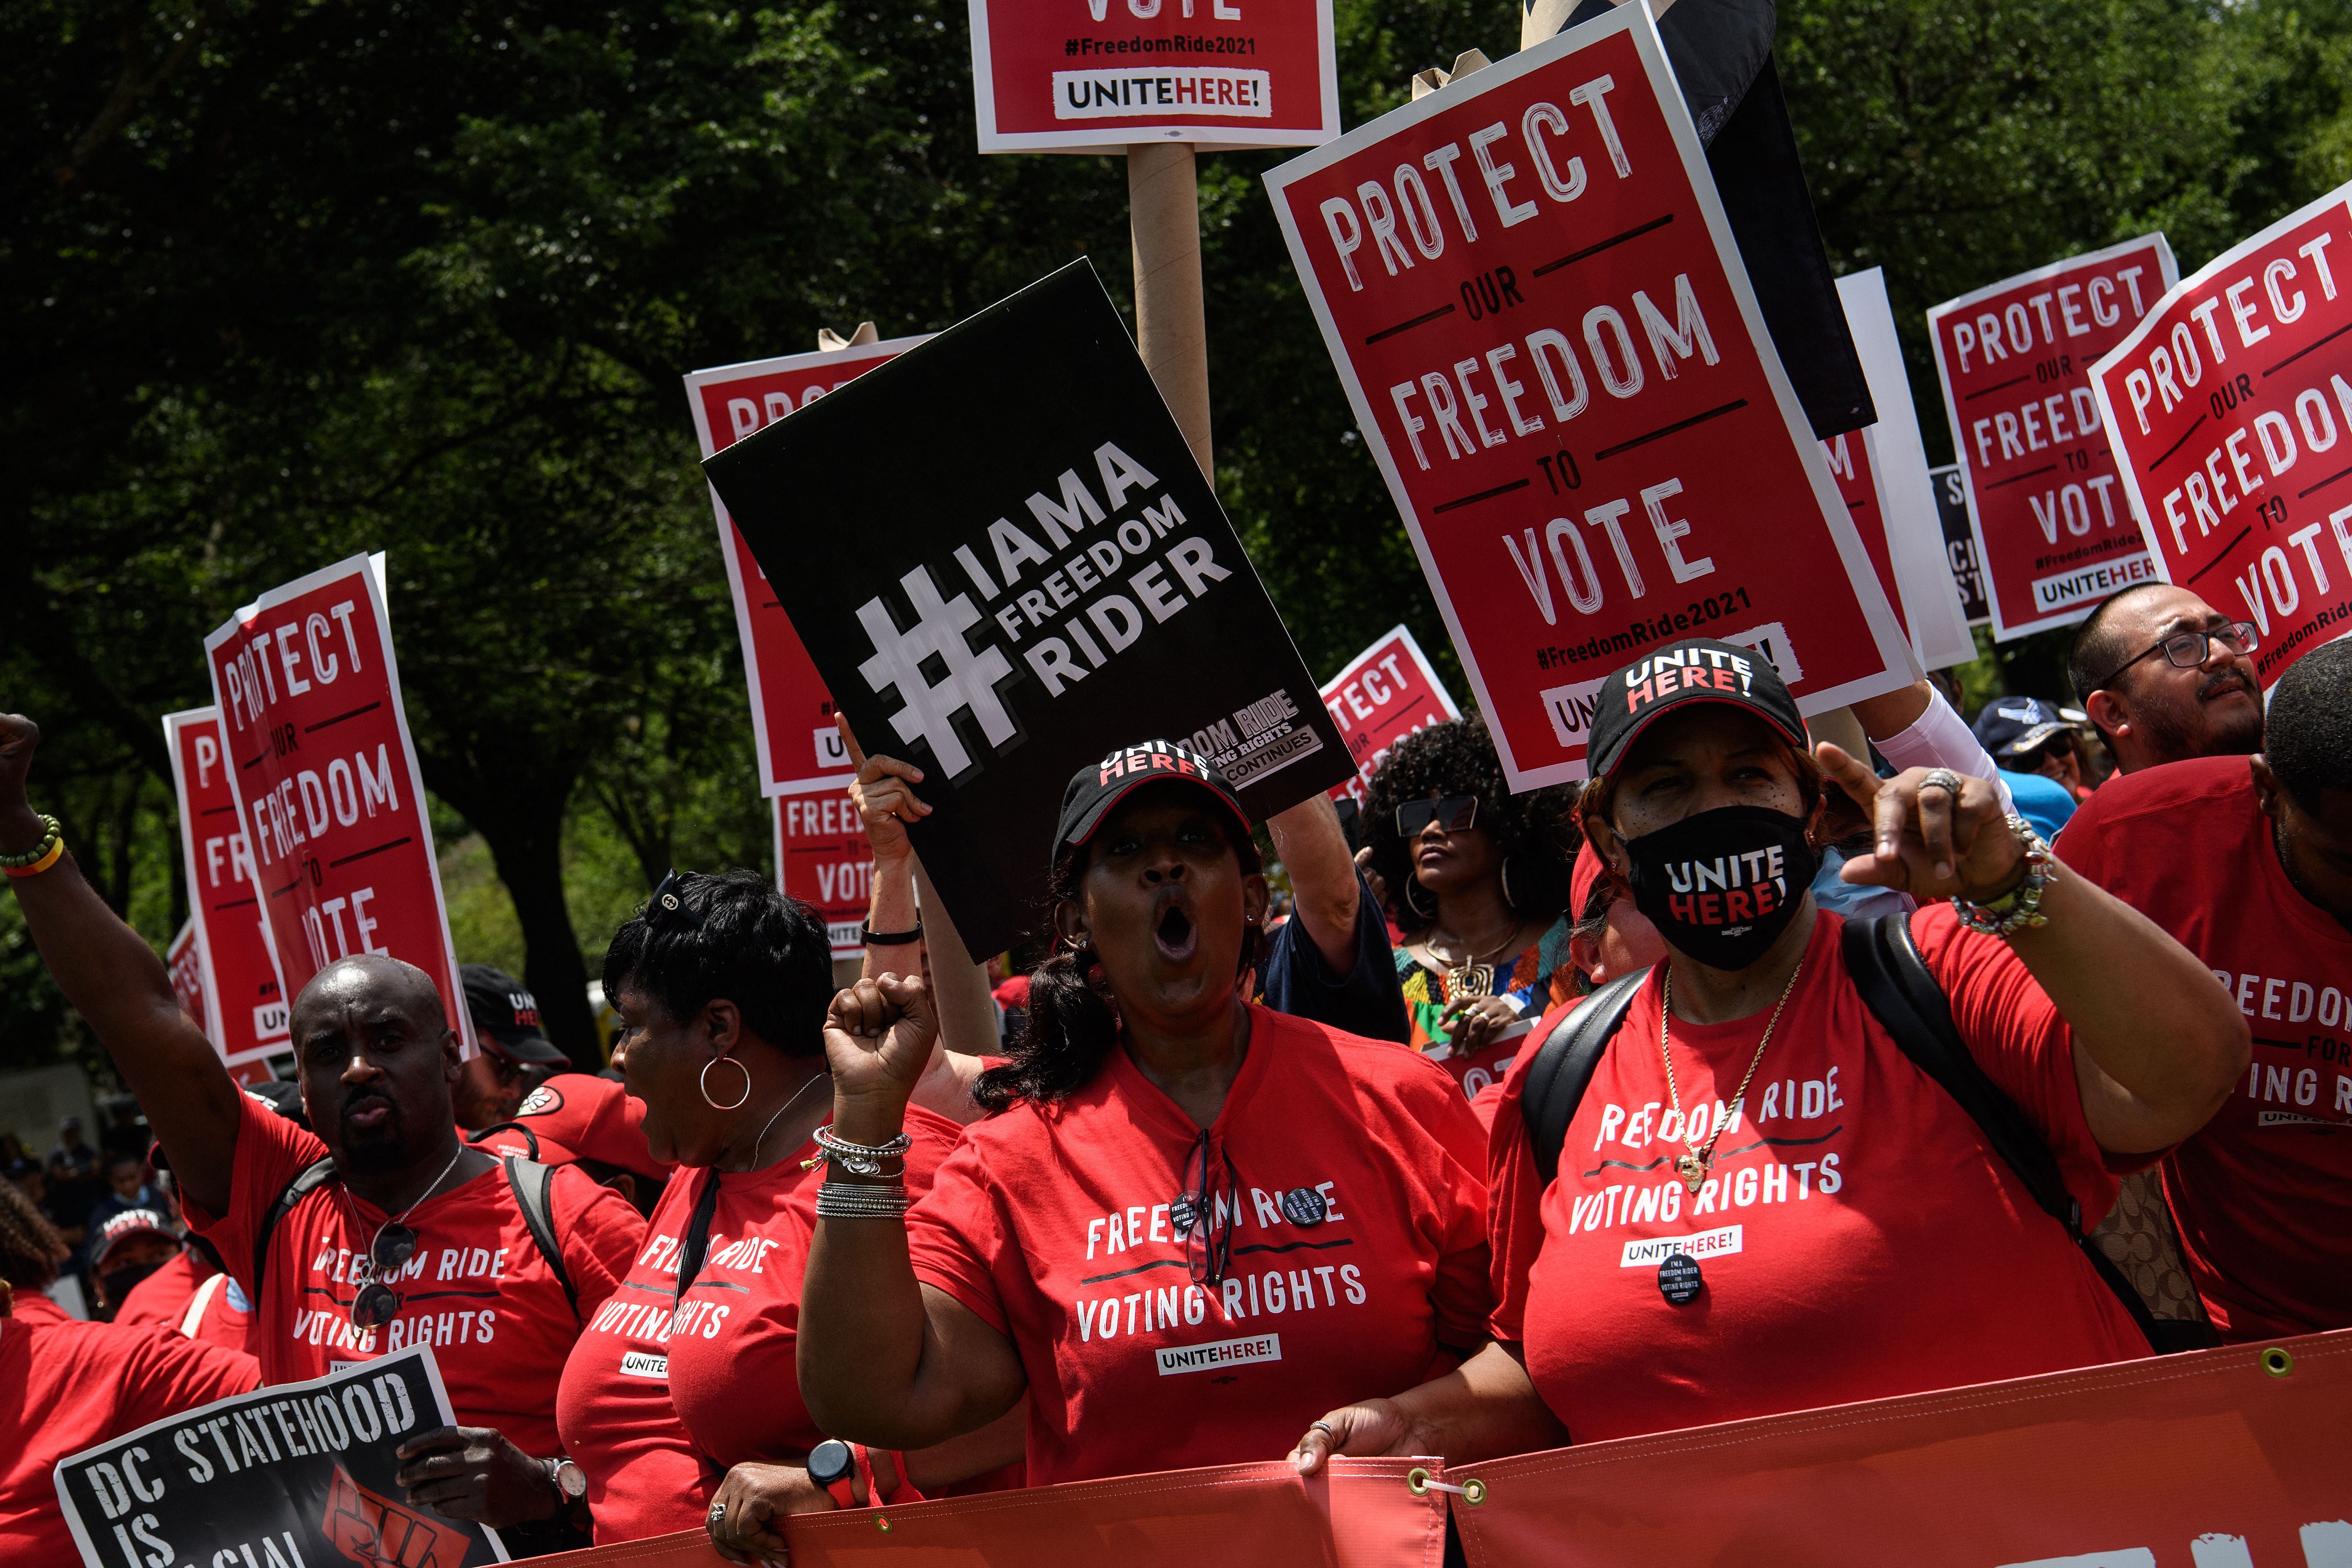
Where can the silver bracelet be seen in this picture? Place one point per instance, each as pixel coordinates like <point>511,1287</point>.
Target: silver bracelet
<point>861,1158</point>
<point>849,1200</point>
<point>2020,908</point>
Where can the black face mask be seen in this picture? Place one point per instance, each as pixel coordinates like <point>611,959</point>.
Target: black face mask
<point>1723,885</point>
<point>121,1281</point>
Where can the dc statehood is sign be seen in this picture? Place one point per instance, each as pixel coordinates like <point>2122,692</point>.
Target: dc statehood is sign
<point>2053,534</point>
<point>245,1005</point>
<point>1384,694</point>
<point>823,859</point>
<point>1003,588</point>
<point>1075,76</point>
<point>791,712</point>
<point>326,782</point>
<point>1960,545</point>
<point>1552,349</point>
<point>2230,405</point>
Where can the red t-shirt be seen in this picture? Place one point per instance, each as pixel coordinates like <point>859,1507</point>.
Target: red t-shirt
<point>1051,1224</point>
<point>1857,1236</point>
<point>2262,1196</point>
<point>497,1317</point>
<point>66,1387</point>
<point>160,1300</point>
<point>656,1420</point>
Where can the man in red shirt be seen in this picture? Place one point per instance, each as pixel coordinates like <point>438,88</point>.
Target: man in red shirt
<point>409,1237</point>
<point>2165,677</point>
<point>2247,862</point>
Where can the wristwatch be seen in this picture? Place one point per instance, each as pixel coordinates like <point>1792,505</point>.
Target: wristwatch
<point>832,1466</point>
<point>568,1481</point>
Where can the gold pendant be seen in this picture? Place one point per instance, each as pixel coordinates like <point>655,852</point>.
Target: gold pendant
<point>1470,980</point>
<point>1693,1167</point>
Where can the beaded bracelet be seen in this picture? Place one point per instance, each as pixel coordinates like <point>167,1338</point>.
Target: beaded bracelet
<point>851,1200</point>
<point>39,858</point>
<point>2020,908</point>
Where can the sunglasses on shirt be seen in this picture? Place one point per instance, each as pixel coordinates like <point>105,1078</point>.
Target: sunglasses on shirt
<point>377,1304</point>
<point>1452,813</point>
<point>1203,1216</point>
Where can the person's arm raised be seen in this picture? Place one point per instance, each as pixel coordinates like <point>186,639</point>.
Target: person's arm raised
<point>2157,1045</point>
<point>116,981</point>
<point>1324,892</point>
<point>884,1360</point>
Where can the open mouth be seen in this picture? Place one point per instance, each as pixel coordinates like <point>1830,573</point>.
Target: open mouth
<point>1175,935</point>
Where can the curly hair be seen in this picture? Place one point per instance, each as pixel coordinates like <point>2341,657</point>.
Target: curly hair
<point>1536,832</point>
<point>737,938</point>
<point>1073,1020</point>
<point>30,1247</point>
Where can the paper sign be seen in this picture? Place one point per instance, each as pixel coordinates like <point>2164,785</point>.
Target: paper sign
<point>2229,405</point>
<point>326,782</point>
<point>2054,532</point>
<point>244,1007</point>
<point>1907,548</point>
<point>791,713</point>
<point>823,859</point>
<point>1004,559</point>
<point>293,1474</point>
<point>1386,693</point>
<point>1960,543</point>
<point>1551,347</point>
<point>1093,76</point>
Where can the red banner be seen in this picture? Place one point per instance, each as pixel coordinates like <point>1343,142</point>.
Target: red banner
<point>326,783</point>
<point>823,859</point>
<point>241,1007</point>
<point>1092,76</point>
<point>2227,404</point>
<point>1361,1515</point>
<point>1386,693</point>
<point>2215,1459</point>
<point>1529,288</point>
<point>791,712</point>
<point>2054,535</point>
<point>187,971</point>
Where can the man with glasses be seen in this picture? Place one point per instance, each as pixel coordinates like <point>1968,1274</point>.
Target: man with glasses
<point>375,1229</point>
<point>2166,677</point>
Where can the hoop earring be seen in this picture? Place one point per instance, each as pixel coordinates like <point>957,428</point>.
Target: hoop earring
<point>1510,903</point>
<point>1411,882</point>
<point>703,1083</point>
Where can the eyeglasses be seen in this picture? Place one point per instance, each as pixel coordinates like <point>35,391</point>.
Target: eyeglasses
<point>377,1304</point>
<point>1452,813</point>
<point>1203,1216</point>
<point>2187,650</point>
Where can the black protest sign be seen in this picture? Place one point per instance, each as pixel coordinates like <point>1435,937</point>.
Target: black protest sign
<point>1960,545</point>
<point>1007,565</point>
<point>293,1475</point>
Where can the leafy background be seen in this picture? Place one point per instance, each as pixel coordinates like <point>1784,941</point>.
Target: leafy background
<point>288,280</point>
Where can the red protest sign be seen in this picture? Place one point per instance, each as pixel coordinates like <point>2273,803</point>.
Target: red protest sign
<point>326,783</point>
<point>823,859</point>
<point>244,1005</point>
<point>1092,76</point>
<point>791,712</point>
<point>1530,292</point>
<point>1386,693</point>
<point>187,970</point>
<point>2053,534</point>
<point>2226,405</point>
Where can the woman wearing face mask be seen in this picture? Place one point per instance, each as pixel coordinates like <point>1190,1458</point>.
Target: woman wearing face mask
<point>1170,1179</point>
<point>1478,879</point>
<point>1882,1247</point>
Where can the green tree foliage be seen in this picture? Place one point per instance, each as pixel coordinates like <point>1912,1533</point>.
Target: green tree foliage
<point>288,282</point>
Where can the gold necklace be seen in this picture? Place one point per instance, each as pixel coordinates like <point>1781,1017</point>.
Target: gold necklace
<point>1473,977</point>
<point>1693,1164</point>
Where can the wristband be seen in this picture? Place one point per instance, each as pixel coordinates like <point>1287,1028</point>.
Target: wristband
<point>892,938</point>
<point>41,856</point>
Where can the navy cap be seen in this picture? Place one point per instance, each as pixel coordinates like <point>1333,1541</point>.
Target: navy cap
<point>2010,727</point>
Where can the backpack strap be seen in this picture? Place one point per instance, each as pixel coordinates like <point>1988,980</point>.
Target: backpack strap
<point>1563,1066</point>
<point>1905,995</point>
<point>307,1181</point>
<point>534,1185</point>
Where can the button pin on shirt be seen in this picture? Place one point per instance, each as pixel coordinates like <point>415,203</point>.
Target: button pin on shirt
<point>1679,1281</point>
<point>1304,1206</point>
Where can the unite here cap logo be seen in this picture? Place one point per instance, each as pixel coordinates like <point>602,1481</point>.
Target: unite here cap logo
<point>1686,669</point>
<point>1152,756</point>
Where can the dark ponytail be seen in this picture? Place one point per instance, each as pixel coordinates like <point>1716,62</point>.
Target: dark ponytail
<point>1073,1020</point>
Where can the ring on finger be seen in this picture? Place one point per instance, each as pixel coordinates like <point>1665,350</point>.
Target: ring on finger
<point>718,1513</point>
<point>1944,779</point>
<point>1324,1428</point>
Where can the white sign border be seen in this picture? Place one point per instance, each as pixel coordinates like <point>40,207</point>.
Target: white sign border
<point>214,1022</point>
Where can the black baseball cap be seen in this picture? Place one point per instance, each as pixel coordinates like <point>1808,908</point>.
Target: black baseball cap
<point>2010,727</point>
<point>1098,786</point>
<point>1699,669</point>
<point>506,1016</point>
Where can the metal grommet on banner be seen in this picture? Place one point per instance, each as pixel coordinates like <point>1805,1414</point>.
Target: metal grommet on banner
<point>1474,1491</point>
<point>1421,1483</point>
<point>1416,1481</point>
<point>882,1523</point>
<point>2277,1361</point>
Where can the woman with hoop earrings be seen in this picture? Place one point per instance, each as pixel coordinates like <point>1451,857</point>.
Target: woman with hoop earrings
<point>1478,879</point>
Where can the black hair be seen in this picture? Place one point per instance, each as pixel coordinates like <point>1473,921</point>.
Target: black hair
<point>2308,739</point>
<point>1072,1021</point>
<point>1537,833</point>
<point>2098,647</point>
<point>736,938</point>
<point>126,1157</point>
<point>30,1247</point>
